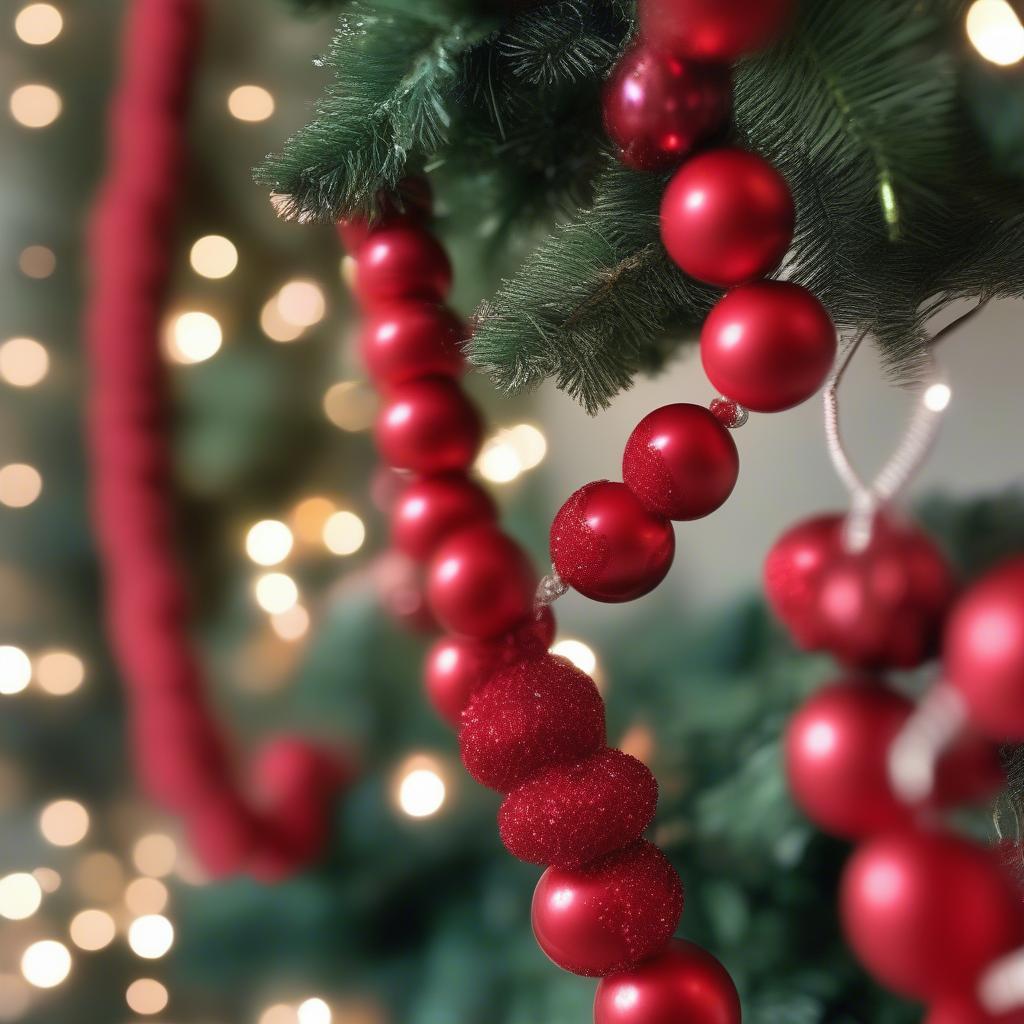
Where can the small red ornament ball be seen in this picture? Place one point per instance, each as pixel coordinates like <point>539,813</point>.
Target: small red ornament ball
<point>480,583</point>
<point>609,915</point>
<point>683,985</point>
<point>401,261</point>
<point>406,340</point>
<point>657,106</point>
<point>721,30</point>
<point>575,813</point>
<point>768,346</point>
<point>606,545</point>
<point>428,426</point>
<point>984,651</point>
<point>528,717</point>
<point>964,1009</point>
<point>681,462</point>
<point>433,508</point>
<point>727,217</point>
<point>926,911</point>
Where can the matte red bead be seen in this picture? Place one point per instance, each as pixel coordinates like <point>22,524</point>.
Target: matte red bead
<point>658,107</point>
<point>528,717</point>
<point>406,340</point>
<point>721,30</point>
<point>480,583</point>
<point>431,509</point>
<point>727,217</point>
<point>428,426</point>
<point>768,346</point>
<point>610,914</point>
<point>606,545</point>
<point>401,262</point>
<point>575,813</point>
<point>681,462</point>
<point>683,985</point>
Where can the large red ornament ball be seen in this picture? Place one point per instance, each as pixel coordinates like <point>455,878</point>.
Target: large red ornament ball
<point>727,217</point>
<point>401,262</point>
<point>683,985</point>
<point>480,583</point>
<point>926,912</point>
<point>406,340</point>
<point>720,30</point>
<point>575,813</point>
<point>606,545</point>
<point>428,426</point>
<point>528,717</point>
<point>657,106</point>
<point>768,346</point>
<point>433,508</point>
<point>609,915</point>
<point>984,651</point>
<point>681,462</point>
<point>965,1009</point>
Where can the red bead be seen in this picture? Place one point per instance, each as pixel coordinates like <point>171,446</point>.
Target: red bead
<point>984,651</point>
<point>657,106</point>
<point>681,462</point>
<point>428,426</point>
<point>964,1009</point>
<point>480,583</point>
<point>727,217</point>
<point>768,346</point>
<point>684,985</point>
<point>575,813</point>
<point>401,589</point>
<point>926,912</point>
<point>606,545</point>
<point>401,262</point>
<point>714,29</point>
<point>528,717</point>
<point>432,509</point>
<point>406,340</point>
<point>609,915</point>
<point>412,205</point>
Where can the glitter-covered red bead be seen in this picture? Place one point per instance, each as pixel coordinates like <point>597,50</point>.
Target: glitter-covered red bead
<point>610,914</point>
<point>529,717</point>
<point>575,813</point>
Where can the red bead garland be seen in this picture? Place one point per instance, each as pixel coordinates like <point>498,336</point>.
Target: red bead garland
<point>406,340</point>
<point>401,261</point>
<point>433,508</point>
<point>721,30</point>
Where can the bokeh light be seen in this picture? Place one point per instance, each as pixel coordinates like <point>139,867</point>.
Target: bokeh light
<point>279,1013</point>
<point>146,896</point>
<point>421,791</point>
<point>250,103</point>
<point>24,362</point>
<point>35,105</point>
<point>996,32</point>
<point>213,256</point>
<point>59,672</point>
<point>64,822</point>
<point>46,964</point>
<point>193,337</point>
<point>314,1011</point>
<point>268,542</point>
<point>146,996</point>
<point>99,876</point>
<point>20,896</point>
<point>511,452</point>
<point>20,485</point>
<point>344,533</point>
<point>15,997</point>
<point>48,879</point>
<point>92,930</point>
<point>937,397</point>
<point>276,593</point>
<point>274,326</point>
<point>38,24</point>
<point>576,651</point>
<point>155,855</point>
<point>15,670</point>
<point>37,261</point>
<point>291,625</point>
<point>301,303</point>
<point>150,936</point>
<point>309,517</point>
<point>351,405</point>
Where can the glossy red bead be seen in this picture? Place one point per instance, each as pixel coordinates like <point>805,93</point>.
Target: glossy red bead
<point>433,508</point>
<point>722,30</point>
<point>480,583</point>
<point>402,341</point>
<point>658,107</point>
<point>727,217</point>
<point>965,1009</point>
<point>412,205</point>
<point>428,426</point>
<point>681,462</point>
<point>683,985</point>
<point>768,346</point>
<point>984,651</point>
<point>402,261</point>
<point>606,545</point>
<point>608,915</point>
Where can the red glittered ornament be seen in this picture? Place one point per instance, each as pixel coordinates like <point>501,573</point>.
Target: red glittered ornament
<point>964,1009</point>
<point>428,426</point>
<point>608,915</point>
<point>401,262</point>
<point>528,717</point>
<point>727,217</point>
<point>681,462</point>
<point>657,106</point>
<point>768,346</point>
<point>405,340</point>
<point>480,583</point>
<point>575,813</point>
<point>433,508</point>
<point>683,985</point>
<point>926,912</point>
<point>720,30</point>
<point>984,651</point>
<point>606,545</point>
